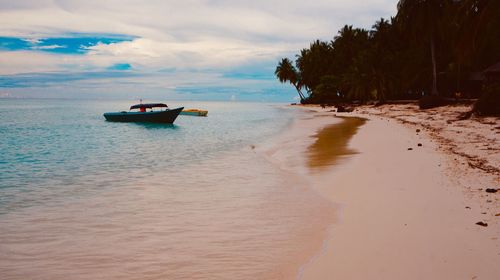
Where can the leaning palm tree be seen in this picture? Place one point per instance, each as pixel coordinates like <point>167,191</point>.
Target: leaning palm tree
<point>286,72</point>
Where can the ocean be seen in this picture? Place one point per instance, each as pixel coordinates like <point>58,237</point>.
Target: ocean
<point>82,198</point>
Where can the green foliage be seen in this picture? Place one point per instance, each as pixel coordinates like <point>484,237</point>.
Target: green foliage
<point>489,102</point>
<point>313,63</point>
<point>326,91</point>
<point>430,46</point>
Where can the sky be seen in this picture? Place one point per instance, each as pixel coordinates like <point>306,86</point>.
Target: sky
<point>164,49</point>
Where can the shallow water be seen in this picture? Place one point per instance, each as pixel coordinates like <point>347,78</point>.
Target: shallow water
<point>83,198</point>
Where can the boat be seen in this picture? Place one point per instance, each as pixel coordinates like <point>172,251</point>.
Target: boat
<point>194,112</point>
<point>143,115</point>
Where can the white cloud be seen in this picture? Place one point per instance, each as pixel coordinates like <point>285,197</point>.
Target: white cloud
<point>48,47</point>
<point>204,53</point>
<point>33,41</point>
<point>25,62</point>
<point>196,36</point>
<point>224,24</point>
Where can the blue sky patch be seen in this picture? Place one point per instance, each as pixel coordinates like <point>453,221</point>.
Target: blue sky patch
<point>261,70</point>
<point>120,67</point>
<point>74,44</point>
<point>51,78</point>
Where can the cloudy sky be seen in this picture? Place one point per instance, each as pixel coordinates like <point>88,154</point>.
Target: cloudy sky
<point>189,49</point>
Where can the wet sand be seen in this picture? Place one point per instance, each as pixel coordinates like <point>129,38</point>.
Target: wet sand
<point>401,215</point>
<point>331,144</point>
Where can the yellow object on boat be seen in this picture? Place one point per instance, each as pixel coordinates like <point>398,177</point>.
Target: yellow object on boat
<point>194,112</point>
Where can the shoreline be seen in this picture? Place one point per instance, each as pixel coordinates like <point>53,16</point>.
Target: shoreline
<point>402,214</point>
<point>302,149</point>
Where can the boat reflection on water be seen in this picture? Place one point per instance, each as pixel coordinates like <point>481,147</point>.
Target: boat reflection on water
<point>153,125</point>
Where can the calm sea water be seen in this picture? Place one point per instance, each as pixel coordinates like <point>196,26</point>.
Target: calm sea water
<point>82,198</point>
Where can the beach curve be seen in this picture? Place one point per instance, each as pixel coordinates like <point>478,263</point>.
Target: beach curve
<point>401,215</point>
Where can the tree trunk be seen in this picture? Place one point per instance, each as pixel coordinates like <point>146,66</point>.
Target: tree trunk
<point>302,97</point>
<point>434,73</point>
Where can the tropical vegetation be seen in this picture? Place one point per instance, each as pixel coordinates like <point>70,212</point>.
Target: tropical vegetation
<point>430,47</point>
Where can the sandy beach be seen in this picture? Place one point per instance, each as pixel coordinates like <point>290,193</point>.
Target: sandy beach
<point>408,196</point>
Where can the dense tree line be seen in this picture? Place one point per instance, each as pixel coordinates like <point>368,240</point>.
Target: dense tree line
<point>430,47</point>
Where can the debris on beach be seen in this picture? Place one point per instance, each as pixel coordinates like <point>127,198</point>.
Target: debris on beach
<point>483,224</point>
<point>344,109</point>
<point>471,139</point>
<point>491,190</point>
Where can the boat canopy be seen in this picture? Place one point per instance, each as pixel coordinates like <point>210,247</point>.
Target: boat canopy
<point>148,106</point>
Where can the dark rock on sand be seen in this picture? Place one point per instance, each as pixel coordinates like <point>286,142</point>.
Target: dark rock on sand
<point>409,149</point>
<point>482,224</point>
<point>418,130</point>
<point>465,116</point>
<point>344,109</point>
<point>491,190</point>
<point>419,144</point>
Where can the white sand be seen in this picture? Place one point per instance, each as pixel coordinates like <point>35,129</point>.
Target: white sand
<point>404,212</point>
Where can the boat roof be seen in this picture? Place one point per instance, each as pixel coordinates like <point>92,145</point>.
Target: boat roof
<point>149,105</point>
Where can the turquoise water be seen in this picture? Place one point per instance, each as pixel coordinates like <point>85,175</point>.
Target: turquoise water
<point>82,198</point>
<point>56,143</point>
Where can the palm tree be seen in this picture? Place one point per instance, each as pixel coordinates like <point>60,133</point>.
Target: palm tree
<point>314,63</point>
<point>475,16</point>
<point>422,18</point>
<point>380,56</point>
<point>478,26</point>
<point>286,72</point>
<point>349,46</point>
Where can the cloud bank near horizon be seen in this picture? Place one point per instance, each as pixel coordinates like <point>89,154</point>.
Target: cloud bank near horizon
<point>195,44</point>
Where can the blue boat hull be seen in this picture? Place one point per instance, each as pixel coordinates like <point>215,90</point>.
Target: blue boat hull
<point>167,116</point>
